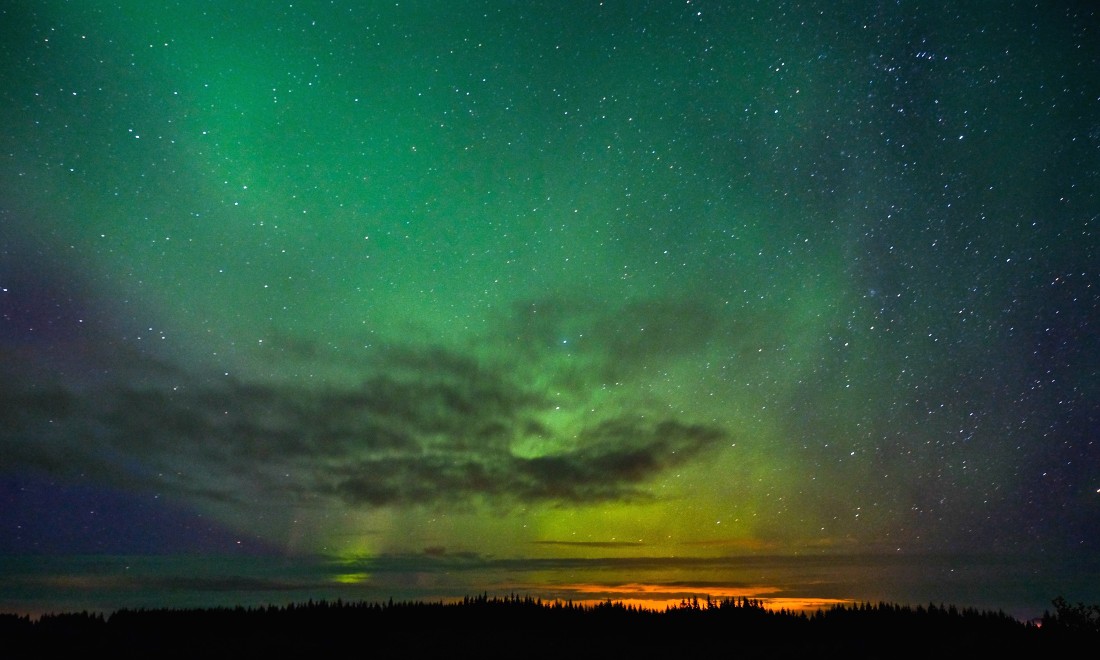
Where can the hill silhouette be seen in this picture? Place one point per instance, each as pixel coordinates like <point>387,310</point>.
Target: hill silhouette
<point>517,626</point>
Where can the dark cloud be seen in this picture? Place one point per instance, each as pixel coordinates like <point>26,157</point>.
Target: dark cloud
<point>614,458</point>
<point>613,461</point>
<point>423,426</point>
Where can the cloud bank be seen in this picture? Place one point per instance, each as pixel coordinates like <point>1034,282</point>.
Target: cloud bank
<point>421,425</point>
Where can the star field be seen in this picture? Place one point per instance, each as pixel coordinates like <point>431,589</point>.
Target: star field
<point>515,287</point>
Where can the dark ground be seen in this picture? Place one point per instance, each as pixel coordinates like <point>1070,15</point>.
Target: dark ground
<point>522,627</point>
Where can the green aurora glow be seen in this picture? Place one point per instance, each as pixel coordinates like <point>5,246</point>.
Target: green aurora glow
<point>529,281</point>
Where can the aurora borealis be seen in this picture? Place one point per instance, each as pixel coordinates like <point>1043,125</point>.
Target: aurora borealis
<point>797,300</point>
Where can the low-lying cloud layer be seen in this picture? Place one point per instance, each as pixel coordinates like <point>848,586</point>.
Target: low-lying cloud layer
<point>421,425</point>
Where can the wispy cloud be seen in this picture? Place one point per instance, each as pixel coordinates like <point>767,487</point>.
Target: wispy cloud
<point>420,425</point>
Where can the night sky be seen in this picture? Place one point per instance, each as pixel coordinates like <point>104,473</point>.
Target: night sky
<point>575,299</point>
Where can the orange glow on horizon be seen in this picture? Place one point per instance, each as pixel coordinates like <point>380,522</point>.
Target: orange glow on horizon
<point>638,589</point>
<point>659,597</point>
<point>796,605</point>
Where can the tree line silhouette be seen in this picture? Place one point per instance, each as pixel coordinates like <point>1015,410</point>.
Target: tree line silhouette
<point>524,626</point>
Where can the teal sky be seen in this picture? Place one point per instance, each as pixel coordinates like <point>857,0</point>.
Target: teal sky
<point>553,282</point>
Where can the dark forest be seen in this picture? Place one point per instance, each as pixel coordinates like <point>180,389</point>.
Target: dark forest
<point>525,627</point>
